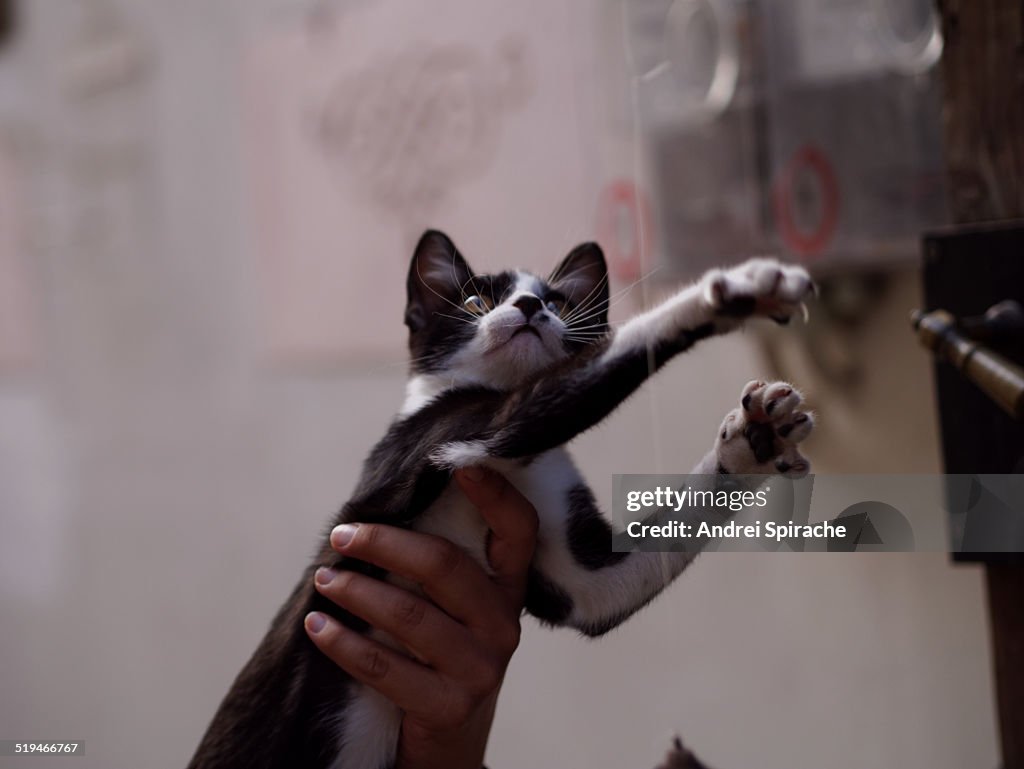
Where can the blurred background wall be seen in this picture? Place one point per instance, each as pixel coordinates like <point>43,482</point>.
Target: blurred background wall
<point>206,228</point>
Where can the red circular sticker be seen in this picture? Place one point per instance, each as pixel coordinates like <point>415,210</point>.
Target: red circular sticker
<point>807,202</point>
<point>624,228</point>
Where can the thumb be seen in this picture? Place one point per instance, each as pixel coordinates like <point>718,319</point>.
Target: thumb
<point>513,523</point>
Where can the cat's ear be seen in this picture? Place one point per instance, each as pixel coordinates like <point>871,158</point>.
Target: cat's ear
<point>583,278</point>
<point>436,278</point>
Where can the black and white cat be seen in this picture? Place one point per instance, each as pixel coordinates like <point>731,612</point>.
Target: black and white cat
<point>506,369</point>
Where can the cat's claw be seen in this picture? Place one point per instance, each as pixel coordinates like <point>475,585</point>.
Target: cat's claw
<point>761,286</point>
<point>761,436</point>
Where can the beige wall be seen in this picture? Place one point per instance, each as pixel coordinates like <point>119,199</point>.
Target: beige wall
<point>161,486</point>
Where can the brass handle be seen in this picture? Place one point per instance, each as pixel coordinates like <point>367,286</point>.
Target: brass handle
<point>1001,379</point>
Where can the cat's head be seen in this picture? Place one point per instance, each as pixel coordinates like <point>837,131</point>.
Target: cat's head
<point>499,329</point>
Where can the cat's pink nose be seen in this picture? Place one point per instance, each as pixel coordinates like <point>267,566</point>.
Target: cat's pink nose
<point>528,305</point>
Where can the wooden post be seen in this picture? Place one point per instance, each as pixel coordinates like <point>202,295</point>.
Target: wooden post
<point>983,73</point>
<point>1006,609</point>
<point>6,20</point>
<point>983,77</point>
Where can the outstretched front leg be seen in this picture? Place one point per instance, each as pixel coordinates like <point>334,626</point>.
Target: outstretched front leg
<point>595,588</point>
<point>716,304</point>
<point>556,407</point>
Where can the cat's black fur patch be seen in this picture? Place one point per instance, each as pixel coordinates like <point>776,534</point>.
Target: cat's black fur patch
<point>545,600</point>
<point>588,533</point>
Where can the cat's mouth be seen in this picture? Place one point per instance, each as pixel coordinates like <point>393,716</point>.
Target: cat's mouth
<point>515,340</point>
<point>525,329</point>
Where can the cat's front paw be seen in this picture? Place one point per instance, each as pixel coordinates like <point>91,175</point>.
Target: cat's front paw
<point>761,436</point>
<point>761,287</point>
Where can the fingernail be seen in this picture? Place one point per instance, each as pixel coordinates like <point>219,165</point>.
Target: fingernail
<point>343,534</point>
<point>473,474</point>
<point>324,575</point>
<point>315,622</point>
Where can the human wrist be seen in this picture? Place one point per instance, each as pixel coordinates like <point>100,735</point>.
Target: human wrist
<point>425,747</point>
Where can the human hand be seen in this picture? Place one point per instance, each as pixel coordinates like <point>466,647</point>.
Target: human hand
<point>462,634</point>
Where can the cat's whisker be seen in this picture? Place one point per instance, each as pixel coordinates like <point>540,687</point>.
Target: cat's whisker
<point>434,291</point>
<point>584,317</point>
<point>463,296</point>
<point>565,276</point>
<point>455,280</point>
<point>592,312</point>
<point>584,311</point>
<point>597,328</point>
<point>594,292</point>
<point>404,362</point>
<point>461,320</point>
<point>462,289</point>
<point>587,301</point>
<point>558,274</point>
<point>582,323</point>
<point>621,293</point>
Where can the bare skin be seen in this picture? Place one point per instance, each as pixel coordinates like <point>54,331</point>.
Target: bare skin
<point>461,635</point>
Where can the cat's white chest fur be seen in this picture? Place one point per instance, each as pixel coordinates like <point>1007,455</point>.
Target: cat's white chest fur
<point>545,481</point>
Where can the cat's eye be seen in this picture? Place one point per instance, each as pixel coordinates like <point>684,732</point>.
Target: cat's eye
<point>555,305</point>
<point>477,305</point>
